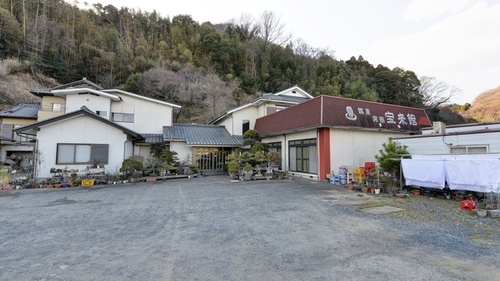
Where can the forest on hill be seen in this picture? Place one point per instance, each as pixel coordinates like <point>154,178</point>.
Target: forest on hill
<point>207,68</point>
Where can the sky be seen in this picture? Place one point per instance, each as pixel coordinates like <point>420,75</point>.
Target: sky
<point>454,41</point>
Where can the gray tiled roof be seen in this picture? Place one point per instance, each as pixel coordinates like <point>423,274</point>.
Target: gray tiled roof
<point>23,110</point>
<point>199,134</point>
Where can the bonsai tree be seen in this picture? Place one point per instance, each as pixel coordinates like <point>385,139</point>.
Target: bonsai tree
<point>130,166</point>
<point>273,158</point>
<point>389,160</point>
<point>161,156</point>
<point>233,167</point>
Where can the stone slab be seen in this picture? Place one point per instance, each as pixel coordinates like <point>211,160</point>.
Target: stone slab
<point>381,210</point>
<point>352,202</point>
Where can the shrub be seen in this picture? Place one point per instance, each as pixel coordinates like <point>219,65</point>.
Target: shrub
<point>130,166</point>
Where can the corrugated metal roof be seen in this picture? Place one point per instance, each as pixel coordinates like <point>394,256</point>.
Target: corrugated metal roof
<point>274,97</point>
<point>328,111</point>
<point>2,138</point>
<point>200,134</point>
<point>83,83</point>
<point>24,110</point>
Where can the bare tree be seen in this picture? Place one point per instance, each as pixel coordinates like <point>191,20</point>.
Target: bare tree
<point>435,93</point>
<point>272,31</point>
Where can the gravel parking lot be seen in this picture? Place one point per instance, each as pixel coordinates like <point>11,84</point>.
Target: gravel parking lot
<point>212,229</point>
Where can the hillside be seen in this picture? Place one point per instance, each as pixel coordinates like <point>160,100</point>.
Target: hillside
<point>206,68</point>
<point>16,81</point>
<point>486,107</point>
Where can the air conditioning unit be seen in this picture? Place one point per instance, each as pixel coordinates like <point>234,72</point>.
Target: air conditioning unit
<point>438,128</point>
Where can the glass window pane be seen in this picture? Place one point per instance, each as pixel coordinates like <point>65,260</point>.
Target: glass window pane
<point>313,159</point>
<point>305,153</point>
<point>82,154</point>
<point>476,150</point>
<point>65,153</point>
<point>458,150</point>
<point>128,117</point>
<point>117,117</point>
<point>293,159</point>
<point>299,165</point>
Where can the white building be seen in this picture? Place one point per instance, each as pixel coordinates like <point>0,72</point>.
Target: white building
<point>241,119</point>
<point>320,135</point>
<point>81,123</point>
<point>456,139</point>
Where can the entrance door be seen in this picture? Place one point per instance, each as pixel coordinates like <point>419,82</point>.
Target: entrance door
<point>211,161</point>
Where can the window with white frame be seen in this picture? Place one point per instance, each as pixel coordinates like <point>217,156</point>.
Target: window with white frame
<point>477,149</point>
<point>123,117</point>
<point>68,153</point>
<point>102,113</point>
<point>57,107</point>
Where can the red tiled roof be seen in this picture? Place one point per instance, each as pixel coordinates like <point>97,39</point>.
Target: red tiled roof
<point>328,111</point>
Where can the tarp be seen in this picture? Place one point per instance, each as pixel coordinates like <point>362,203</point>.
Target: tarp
<point>473,172</point>
<point>417,172</point>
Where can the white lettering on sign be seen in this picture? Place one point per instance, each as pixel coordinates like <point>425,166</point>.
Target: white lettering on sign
<point>412,119</point>
<point>389,116</point>
<point>401,119</point>
<point>350,113</point>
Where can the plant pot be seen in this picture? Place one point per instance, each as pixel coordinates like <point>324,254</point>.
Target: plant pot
<point>364,189</point>
<point>377,190</point>
<point>248,176</point>
<point>481,213</point>
<point>416,192</point>
<point>494,213</point>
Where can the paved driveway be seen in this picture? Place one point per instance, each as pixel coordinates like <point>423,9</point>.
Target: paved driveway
<point>212,229</point>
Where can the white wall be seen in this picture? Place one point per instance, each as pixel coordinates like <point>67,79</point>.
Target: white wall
<point>82,130</point>
<point>74,102</point>
<point>250,113</point>
<point>284,152</point>
<point>149,117</point>
<point>183,151</point>
<point>355,147</point>
<point>439,144</point>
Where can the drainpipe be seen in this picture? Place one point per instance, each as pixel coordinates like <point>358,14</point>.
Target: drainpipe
<point>286,166</point>
<point>35,161</point>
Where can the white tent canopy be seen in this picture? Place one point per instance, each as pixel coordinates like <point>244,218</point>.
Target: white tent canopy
<point>473,172</point>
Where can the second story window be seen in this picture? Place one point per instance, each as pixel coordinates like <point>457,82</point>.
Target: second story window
<point>102,113</point>
<point>123,117</point>
<point>57,107</point>
<point>245,126</point>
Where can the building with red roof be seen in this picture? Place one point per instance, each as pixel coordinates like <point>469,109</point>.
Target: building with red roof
<point>318,136</point>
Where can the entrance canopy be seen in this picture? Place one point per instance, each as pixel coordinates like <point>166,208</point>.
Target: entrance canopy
<point>473,172</point>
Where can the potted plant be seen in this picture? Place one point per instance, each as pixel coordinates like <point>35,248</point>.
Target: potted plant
<point>4,180</point>
<point>233,169</point>
<point>248,170</point>
<point>194,169</point>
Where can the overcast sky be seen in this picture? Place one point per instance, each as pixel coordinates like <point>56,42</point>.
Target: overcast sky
<point>456,41</point>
